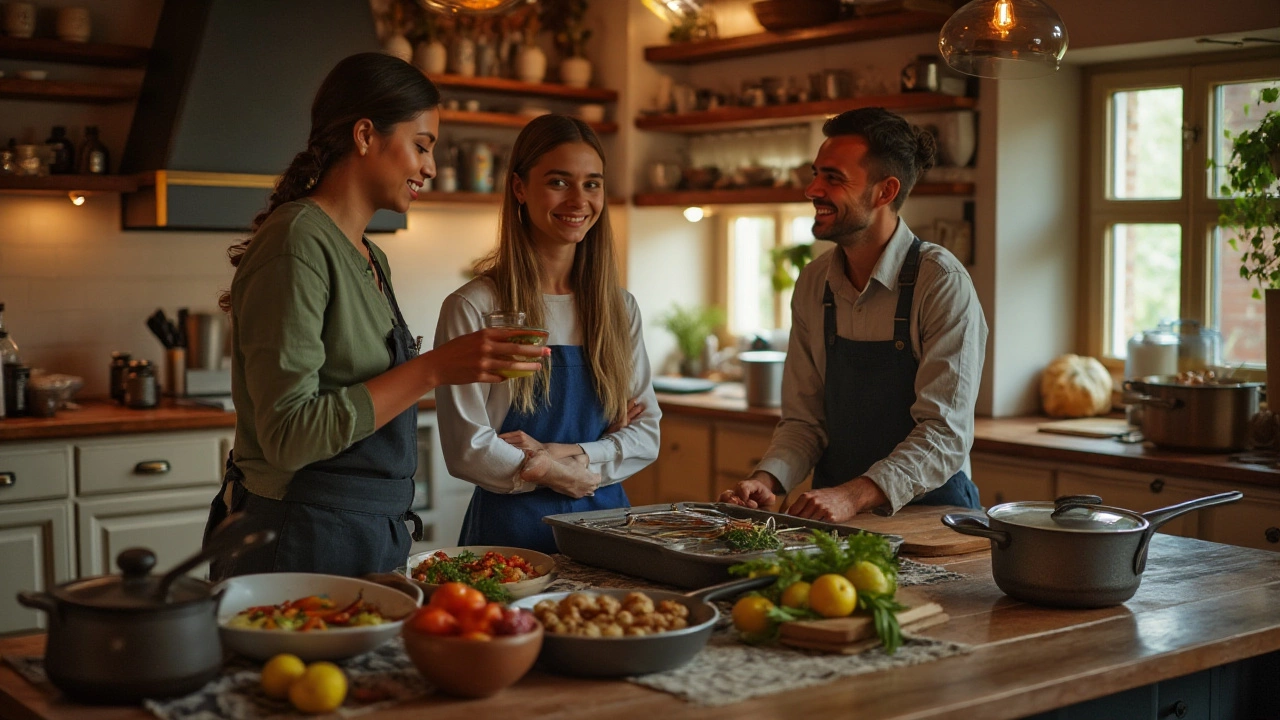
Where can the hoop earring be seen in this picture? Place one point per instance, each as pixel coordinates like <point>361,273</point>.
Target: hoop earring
<point>522,213</point>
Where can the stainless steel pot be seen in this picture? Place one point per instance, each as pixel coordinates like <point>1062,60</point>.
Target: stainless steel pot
<point>625,656</point>
<point>118,639</point>
<point>1214,417</point>
<point>762,375</point>
<point>1074,552</point>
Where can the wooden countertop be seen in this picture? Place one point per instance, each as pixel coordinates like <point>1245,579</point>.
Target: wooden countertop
<point>1200,605</point>
<point>105,417</point>
<point>1019,437</point>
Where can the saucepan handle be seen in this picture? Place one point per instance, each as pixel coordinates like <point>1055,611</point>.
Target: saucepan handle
<point>733,587</point>
<point>1140,397</point>
<point>1156,518</point>
<point>970,525</point>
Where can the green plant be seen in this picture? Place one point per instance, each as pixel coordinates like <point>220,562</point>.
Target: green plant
<point>788,261</point>
<point>1253,202</point>
<point>691,326</point>
<point>566,20</point>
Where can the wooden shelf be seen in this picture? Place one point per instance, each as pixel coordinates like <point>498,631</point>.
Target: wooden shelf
<point>507,86</point>
<point>508,120</point>
<point>63,91</point>
<point>866,28</point>
<point>745,117</point>
<point>15,184</point>
<point>58,51</point>
<point>761,196</point>
<point>435,197</point>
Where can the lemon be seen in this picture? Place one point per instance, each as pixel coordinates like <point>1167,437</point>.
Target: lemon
<point>868,577</point>
<point>322,688</point>
<point>832,596</point>
<point>279,673</point>
<point>751,614</point>
<point>771,570</point>
<point>796,595</point>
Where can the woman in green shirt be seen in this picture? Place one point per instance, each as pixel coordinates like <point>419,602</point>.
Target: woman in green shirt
<point>325,374</point>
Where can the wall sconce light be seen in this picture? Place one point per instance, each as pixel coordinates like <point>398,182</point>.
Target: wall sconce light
<point>76,198</point>
<point>694,213</point>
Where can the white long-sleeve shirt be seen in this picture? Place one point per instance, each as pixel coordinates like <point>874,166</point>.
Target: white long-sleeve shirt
<point>470,415</point>
<point>948,338</point>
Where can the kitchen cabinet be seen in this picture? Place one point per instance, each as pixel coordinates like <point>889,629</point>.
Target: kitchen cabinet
<point>1133,491</point>
<point>684,461</point>
<point>36,554</point>
<point>1251,522</point>
<point>738,449</point>
<point>169,523</point>
<point>1000,482</point>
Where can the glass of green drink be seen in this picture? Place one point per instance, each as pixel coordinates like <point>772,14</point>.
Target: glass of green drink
<point>531,336</point>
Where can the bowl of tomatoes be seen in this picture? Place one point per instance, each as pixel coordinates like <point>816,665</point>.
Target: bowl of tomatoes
<point>468,646</point>
<point>500,573</point>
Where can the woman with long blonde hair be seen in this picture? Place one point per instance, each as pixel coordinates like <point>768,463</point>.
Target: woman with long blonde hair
<point>563,439</point>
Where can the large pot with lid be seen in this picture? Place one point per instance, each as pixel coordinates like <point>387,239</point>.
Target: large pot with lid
<point>1074,552</point>
<point>1208,416</point>
<point>122,638</point>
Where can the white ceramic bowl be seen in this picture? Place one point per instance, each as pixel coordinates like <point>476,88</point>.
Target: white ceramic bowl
<point>32,74</point>
<point>543,563</point>
<point>246,591</point>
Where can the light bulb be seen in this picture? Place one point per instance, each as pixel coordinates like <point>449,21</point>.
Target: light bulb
<point>694,214</point>
<point>76,198</point>
<point>1002,20</point>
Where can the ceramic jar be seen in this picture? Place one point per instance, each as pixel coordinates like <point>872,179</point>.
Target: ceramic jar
<point>431,57</point>
<point>19,19</point>
<point>531,64</point>
<point>74,24</point>
<point>462,58</point>
<point>575,72</point>
<point>398,46</point>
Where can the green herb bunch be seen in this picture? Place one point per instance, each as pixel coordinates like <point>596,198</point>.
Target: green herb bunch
<point>757,537</point>
<point>833,555</point>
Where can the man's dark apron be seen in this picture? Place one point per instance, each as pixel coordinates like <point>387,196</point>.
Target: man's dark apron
<point>341,516</point>
<point>572,415</point>
<point>869,390</point>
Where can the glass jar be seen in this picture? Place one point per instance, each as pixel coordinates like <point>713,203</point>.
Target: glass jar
<point>119,371</point>
<point>31,161</point>
<point>517,319</point>
<point>140,388</point>
<point>1152,352</point>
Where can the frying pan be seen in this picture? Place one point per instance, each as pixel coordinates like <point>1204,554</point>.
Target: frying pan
<point>638,655</point>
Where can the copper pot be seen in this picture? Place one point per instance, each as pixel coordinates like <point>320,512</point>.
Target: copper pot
<point>1213,417</point>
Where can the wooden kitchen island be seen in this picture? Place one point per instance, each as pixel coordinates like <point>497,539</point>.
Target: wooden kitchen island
<point>1201,606</point>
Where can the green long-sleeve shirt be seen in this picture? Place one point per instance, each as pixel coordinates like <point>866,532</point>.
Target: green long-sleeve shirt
<point>309,327</point>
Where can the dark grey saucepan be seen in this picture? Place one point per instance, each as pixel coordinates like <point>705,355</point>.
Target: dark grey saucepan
<point>1074,552</point>
<point>620,657</point>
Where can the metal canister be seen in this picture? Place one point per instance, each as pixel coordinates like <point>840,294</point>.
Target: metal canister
<point>119,371</point>
<point>16,378</point>
<point>140,387</point>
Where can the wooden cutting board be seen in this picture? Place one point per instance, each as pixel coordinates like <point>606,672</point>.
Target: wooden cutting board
<point>856,633</point>
<point>923,534</point>
<point>1095,427</point>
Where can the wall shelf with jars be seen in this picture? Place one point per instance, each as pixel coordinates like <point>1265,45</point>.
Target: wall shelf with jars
<point>873,27</point>
<point>508,120</point>
<point>65,91</point>
<point>437,197</point>
<point>509,86</point>
<point>57,184</point>
<point>773,195</point>
<point>78,53</point>
<point>726,118</point>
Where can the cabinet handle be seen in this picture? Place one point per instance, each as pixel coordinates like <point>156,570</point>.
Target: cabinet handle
<point>1272,534</point>
<point>152,467</point>
<point>675,447</point>
<point>1157,485</point>
<point>1180,709</point>
<point>8,479</point>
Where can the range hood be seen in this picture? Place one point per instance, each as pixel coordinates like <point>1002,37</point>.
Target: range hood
<point>226,104</point>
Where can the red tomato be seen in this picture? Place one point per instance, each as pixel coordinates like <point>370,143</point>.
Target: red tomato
<point>482,636</point>
<point>482,620</point>
<point>435,621</point>
<point>449,595</point>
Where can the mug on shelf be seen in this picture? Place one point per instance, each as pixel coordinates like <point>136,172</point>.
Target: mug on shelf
<point>74,24</point>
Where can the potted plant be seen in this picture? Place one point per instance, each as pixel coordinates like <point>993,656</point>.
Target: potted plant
<point>566,19</point>
<point>788,261</point>
<point>531,62</point>
<point>691,327</point>
<point>1252,209</point>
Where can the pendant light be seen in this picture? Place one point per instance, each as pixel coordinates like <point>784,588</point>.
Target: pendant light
<point>472,7</point>
<point>1004,39</point>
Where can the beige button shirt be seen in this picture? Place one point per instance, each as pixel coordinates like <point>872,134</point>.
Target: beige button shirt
<point>948,339</point>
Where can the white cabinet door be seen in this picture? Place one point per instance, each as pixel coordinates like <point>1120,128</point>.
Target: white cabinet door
<point>34,471</point>
<point>170,524</point>
<point>35,554</point>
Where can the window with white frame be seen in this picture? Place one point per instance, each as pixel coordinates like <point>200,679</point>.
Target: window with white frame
<point>750,288</point>
<point>1155,252</point>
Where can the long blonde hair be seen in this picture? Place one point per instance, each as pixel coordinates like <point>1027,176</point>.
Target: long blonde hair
<point>514,269</point>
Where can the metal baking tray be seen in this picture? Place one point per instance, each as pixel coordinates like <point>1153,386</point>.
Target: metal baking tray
<point>587,538</point>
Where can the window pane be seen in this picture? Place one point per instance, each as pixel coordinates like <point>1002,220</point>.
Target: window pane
<point>802,229</point>
<point>750,270</point>
<point>1240,318</point>
<point>1145,285</point>
<point>1234,111</point>
<point>1146,144</point>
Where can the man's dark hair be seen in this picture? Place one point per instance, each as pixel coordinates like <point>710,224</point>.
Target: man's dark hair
<point>896,147</point>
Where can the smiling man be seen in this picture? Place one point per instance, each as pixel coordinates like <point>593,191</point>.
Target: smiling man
<point>887,342</point>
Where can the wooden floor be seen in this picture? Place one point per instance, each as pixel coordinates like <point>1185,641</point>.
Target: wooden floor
<point>1200,605</point>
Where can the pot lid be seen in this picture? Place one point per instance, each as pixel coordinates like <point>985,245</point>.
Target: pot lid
<point>135,590</point>
<point>1075,513</point>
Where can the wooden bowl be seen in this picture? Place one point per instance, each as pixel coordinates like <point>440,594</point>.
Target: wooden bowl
<point>778,15</point>
<point>472,668</point>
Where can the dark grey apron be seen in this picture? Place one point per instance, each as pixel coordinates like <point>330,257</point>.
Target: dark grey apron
<point>341,516</point>
<point>869,390</point>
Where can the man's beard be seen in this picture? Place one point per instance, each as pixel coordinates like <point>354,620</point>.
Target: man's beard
<point>848,223</point>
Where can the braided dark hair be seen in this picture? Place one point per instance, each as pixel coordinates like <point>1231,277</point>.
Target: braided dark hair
<point>373,86</point>
<point>895,146</point>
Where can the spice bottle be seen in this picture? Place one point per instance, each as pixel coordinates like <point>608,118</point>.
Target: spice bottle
<point>64,152</point>
<point>119,372</point>
<point>140,389</point>
<point>93,158</point>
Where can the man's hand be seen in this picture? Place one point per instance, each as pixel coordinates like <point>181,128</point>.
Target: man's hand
<point>759,490</point>
<point>840,503</point>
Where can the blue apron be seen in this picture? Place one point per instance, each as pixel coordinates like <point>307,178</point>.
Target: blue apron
<point>571,414</point>
<point>869,390</point>
<point>341,516</point>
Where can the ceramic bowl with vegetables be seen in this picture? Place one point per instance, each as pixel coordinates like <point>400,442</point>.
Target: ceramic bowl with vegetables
<point>501,573</point>
<point>316,617</point>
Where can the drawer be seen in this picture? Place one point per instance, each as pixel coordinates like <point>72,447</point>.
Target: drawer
<point>1000,482</point>
<point>1251,522</point>
<point>153,462</point>
<point>739,449</point>
<point>1138,493</point>
<point>35,472</point>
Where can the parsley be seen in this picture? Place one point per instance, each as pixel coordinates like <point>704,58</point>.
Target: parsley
<point>758,537</point>
<point>454,570</point>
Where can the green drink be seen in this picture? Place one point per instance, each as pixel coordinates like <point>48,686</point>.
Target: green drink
<point>531,336</point>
